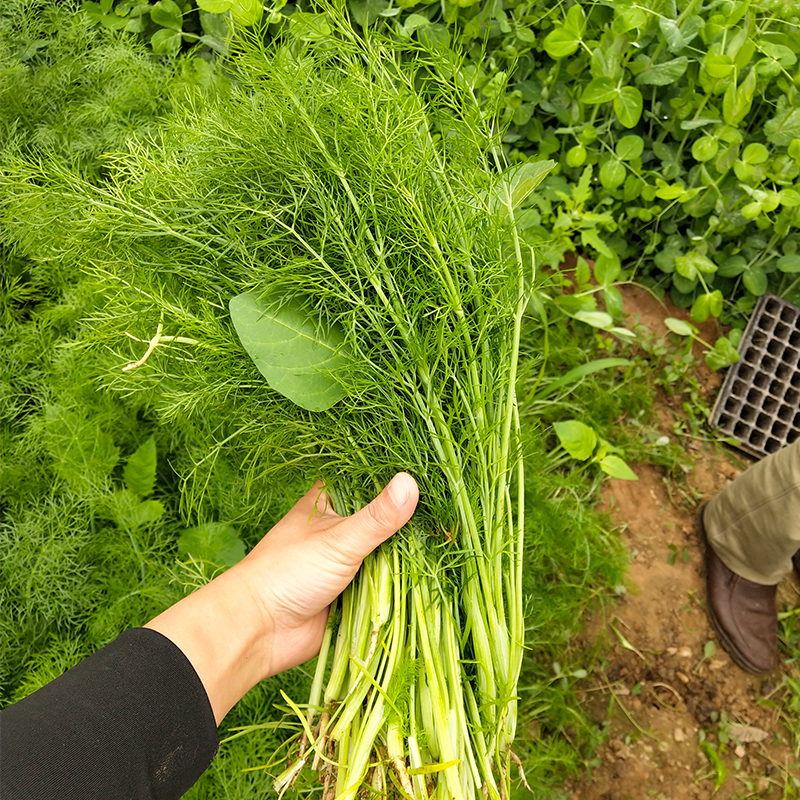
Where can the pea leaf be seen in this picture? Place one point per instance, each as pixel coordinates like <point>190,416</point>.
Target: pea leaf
<point>515,184</point>
<point>167,14</point>
<point>617,468</point>
<point>672,34</point>
<point>561,42</point>
<point>166,42</point>
<point>607,268</point>
<point>365,12</point>
<point>785,125</point>
<point>628,106</point>
<point>755,281</point>
<point>599,90</point>
<point>629,147</point>
<point>663,74</point>
<point>577,439</point>
<point>612,173</point>
<point>215,6</point>
<point>140,471</point>
<point>292,351</point>
<point>679,326</point>
<point>214,542</point>
<point>789,263</point>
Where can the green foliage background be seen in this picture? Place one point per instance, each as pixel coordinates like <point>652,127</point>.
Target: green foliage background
<point>676,128</point>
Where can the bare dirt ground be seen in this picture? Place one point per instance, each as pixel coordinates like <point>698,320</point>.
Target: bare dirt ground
<point>668,683</point>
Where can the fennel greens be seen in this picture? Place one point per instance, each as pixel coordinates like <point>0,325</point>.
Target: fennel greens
<point>351,180</point>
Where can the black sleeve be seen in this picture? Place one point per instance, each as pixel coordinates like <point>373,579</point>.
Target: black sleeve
<point>132,721</point>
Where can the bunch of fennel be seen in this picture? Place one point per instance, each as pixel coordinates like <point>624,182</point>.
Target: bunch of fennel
<point>355,186</point>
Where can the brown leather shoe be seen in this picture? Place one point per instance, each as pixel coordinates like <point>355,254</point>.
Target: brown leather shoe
<point>744,613</point>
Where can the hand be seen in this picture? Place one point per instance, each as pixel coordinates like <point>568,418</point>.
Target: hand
<point>268,612</point>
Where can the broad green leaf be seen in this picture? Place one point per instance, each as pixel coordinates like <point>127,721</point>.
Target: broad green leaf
<point>785,125</point>
<point>576,156</point>
<point>733,266</point>
<point>167,14</point>
<point>560,43</point>
<point>719,66</point>
<point>365,12</point>
<point>672,34</point>
<point>140,471</point>
<point>309,27</point>
<point>575,20</point>
<point>663,74</point>
<point>612,173</point>
<point>578,373</point>
<point>215,6</point>
<point>516,183</point>
<point>166,42</point>
<point>705,148</point>
<point>82,454</point>
<point>617,468</point>
<point>214,542</point>
<point>130,512</point>
<point>599,90</point>
<point>628,18</point>
<point>715,301</point>
<point>250,12</point>
<point>628,106</point>
<point>700,309</point>
<point>783,55</point>
<point>612,297</point>
<point>291,350</point>
<point>789,198</point>
<point>755,153</point>
<point>216,31</point>
<point>722,354</point>
<point>607,268</point>
<point>629,147</point>
<point>679,326</point>
<point>597,319</point>
<point>755,281</point>
<point>577,439</point>
<point>789,263</point>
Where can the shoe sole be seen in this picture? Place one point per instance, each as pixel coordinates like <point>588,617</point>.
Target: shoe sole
<point>730,648</point>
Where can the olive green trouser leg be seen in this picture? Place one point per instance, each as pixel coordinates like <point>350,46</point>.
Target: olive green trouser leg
<point>753,524</point>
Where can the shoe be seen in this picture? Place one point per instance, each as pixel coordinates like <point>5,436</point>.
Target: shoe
<point>744,614</point>
<point>796,563</point>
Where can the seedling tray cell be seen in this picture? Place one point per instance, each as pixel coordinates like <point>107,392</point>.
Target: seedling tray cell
<point>759,402</point>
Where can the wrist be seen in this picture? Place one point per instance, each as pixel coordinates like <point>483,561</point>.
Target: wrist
<point>224,635</point>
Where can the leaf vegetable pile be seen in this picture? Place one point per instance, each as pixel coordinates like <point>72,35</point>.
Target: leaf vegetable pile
<point>344,191</point>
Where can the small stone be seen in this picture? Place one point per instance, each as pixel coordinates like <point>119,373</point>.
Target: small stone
<point>678,735</point>
<point>685,652</point>
<point>670,651</point>
<point>767,688</point>
<point>714,664</point>
<point>748,733</point>
<point>740,751</point>
<point>681,677</point>
<point>615,744</point>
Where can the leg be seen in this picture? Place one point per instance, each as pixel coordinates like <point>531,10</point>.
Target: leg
<point>752,533</point>
<point>753,525</point>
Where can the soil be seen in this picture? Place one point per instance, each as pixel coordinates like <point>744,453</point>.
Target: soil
<point>668,682</point>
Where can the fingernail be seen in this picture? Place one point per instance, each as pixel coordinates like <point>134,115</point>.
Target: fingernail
<point>400,489</point>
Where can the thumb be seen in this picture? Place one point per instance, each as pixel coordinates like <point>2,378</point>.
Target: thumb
<point>384,516</point>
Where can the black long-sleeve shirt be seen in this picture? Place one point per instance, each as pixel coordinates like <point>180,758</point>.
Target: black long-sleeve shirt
<point>131,722</point>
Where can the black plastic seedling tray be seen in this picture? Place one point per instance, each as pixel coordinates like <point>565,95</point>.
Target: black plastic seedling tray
<point>759,402</point>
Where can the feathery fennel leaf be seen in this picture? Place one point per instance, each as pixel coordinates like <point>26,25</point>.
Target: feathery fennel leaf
<point>297,357</point>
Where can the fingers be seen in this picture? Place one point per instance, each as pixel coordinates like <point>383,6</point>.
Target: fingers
<point>361,533</point>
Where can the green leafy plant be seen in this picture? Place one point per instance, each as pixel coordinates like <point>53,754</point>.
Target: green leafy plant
<point>582,443</point>
<point>374,221</point>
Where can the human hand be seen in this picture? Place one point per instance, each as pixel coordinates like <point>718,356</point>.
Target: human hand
<point>268,613</point>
